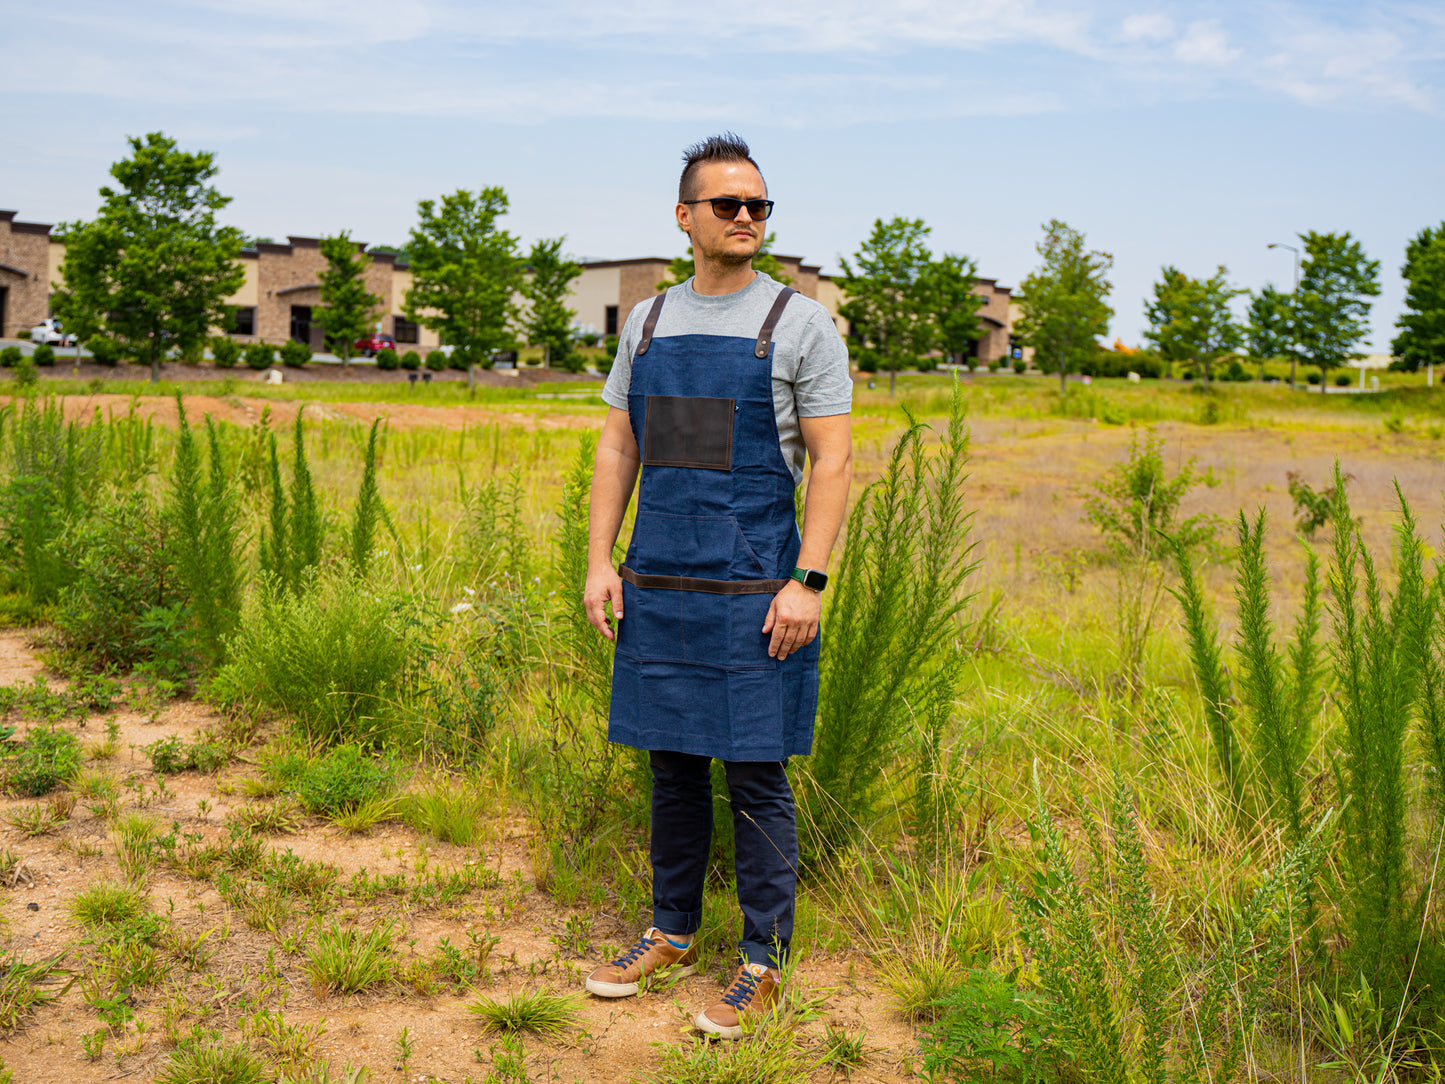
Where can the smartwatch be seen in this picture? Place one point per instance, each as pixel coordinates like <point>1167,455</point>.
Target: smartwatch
<point>810,578</point>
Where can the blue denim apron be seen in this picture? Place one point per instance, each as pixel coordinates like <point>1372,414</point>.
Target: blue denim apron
<point>714,540</point>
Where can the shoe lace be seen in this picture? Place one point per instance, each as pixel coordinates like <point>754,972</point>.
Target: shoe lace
<point>742,989</point>
<point>643,944</point>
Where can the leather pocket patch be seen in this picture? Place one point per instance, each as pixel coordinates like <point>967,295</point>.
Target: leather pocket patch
<point>688,431</point>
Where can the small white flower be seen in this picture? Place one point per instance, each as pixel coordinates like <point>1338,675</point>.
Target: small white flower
<point>462,607</point>
<point>468,590</point>
<point>416,568</point>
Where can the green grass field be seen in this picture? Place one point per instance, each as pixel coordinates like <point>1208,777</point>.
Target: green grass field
<point>1056,874</point>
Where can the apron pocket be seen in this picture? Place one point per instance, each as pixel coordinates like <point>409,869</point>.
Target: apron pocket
<point>688,431</point>
<point>685,708</point>
<point>706,547</point>
<point>726,630</point>
<point>651,625</point>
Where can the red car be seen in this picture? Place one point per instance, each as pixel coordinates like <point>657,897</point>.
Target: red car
<point>369,347</point>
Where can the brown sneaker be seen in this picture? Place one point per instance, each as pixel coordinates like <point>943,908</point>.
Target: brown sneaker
<point>753,992</point>
<point>652,955</point>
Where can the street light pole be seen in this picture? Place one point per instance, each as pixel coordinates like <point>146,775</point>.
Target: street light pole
<point>1293,358</point>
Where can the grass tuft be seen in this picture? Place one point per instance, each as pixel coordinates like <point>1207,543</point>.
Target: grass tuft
<point>541,1013</point>
<point>107,903</point>
<point>347,961</point>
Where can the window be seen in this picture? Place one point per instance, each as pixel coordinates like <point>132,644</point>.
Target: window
<point>245,321</point>
<point>403,331</point>
<point>611,320</point>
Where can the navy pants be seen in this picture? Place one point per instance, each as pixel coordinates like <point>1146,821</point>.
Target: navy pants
<point>766,833</point>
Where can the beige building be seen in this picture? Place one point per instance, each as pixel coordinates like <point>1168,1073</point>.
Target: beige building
<point>278,299</point>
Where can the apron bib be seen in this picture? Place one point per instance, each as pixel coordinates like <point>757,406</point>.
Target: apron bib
<point>714,540</point>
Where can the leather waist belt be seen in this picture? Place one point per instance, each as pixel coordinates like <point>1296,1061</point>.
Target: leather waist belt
<point>710,587</point>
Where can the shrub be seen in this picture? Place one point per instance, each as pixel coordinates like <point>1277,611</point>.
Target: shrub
<point>169,756</point>
<point>333,657</point>
<point>1235,372</point>
<point>386,359</point>
<point>436,361</point>
<point>260,356</point>
<point>9,356</point>
<point>1342,380</point>
<point>105,350</point>
<point>610,345</point>
<point>604,363</point>
<point>344,779</point>
<point>1020,366</point>
<point>410,361</point>
<point>43,355</point>
<point>458,359</point>
<point>225,351</point>
<point>47,759</point>
<point>591,338</point>
<point>295,354</point>
<point>122,558</point>
<point>1313,378</point>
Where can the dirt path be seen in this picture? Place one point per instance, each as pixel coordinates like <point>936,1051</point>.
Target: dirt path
<point>253,969</point>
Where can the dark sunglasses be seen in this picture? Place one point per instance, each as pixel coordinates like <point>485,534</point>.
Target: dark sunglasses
<point>727,207</point>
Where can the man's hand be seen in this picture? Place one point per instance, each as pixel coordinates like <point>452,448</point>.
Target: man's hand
<point>793,619</point>
<point>603,586</point>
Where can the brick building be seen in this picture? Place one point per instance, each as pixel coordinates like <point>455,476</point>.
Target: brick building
<point>29,262</point>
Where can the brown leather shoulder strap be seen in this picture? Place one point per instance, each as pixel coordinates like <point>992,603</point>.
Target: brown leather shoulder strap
<point>650,324</point>
<point>765,335</point>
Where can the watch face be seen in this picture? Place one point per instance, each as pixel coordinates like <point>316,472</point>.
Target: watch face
<point>814,579</point>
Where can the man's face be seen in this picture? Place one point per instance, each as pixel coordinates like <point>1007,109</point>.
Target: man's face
<point>715,238</point>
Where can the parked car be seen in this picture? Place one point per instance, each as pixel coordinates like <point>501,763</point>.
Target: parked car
<point>50,332</point>
<point>372,344</point>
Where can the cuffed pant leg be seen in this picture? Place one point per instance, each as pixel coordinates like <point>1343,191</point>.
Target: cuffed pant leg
<point>681,838</point>
<point>766,832</point>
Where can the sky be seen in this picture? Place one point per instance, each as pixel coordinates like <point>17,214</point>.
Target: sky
<point>1177,133</point>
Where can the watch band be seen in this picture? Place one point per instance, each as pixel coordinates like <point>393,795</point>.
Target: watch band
<point>810,578</point>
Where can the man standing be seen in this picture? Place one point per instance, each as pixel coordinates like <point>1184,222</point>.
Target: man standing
<point>720,388</point>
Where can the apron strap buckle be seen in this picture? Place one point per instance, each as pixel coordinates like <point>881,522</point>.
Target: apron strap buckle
<point>765,334</point>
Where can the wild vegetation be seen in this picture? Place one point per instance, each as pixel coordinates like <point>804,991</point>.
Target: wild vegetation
<point>1103,786</point>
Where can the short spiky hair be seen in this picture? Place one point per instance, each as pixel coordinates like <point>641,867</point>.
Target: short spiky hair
<point>728,147</point>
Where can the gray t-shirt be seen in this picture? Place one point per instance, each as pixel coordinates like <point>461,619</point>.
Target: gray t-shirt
<point>810,362</point>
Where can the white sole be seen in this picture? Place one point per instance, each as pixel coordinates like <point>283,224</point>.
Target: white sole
<point>703,1024</point>
<point>599,988</point>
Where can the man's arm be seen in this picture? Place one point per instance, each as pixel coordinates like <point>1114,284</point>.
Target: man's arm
<point>796,611</point>
<point>613,476</point>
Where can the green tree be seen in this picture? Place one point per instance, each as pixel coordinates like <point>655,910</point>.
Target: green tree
<point>348,308</point>
<point>154,269</point>
<point>1160,310</point>
<point>548,320</point>
<point>889,294</point>
<point>465,271</point>
<point>1422,325</point>
<point>1336,283</point>
<point>1063,308</point>
<point>1269,332</point>
<point>1199,324</point>
<point>681,268</point>
<point>954,305</point>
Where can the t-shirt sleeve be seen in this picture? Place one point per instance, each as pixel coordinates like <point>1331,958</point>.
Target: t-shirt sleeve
<point>619,380</point>
<point>823,386</point>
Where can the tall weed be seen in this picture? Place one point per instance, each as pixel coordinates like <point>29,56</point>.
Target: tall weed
<point>369,510</point>
<point>1383,648</point>
<point>1131,1001</point>
<point>896,603</point>
<point>203,511</point>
